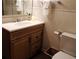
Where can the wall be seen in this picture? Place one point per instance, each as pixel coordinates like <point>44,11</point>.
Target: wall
<point>60,18</point>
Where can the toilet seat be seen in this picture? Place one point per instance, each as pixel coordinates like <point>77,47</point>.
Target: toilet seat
<point>62,55</point>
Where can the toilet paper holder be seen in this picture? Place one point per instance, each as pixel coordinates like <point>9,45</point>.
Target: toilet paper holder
<point>58,33</point>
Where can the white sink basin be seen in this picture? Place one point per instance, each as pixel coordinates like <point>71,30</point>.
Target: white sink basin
<point>22,23</point>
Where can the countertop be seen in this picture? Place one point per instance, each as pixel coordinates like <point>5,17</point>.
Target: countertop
<point>13,26</point>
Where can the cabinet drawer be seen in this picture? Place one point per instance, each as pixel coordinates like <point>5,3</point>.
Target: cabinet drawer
<point>29,30</point>
<point>23,38</point>
<point>37,36</point>
<point>36,45</point>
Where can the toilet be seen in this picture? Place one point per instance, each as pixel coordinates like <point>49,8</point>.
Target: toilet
<point>67,47</point>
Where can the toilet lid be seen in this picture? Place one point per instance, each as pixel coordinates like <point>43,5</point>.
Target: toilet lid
<point>62,55</point>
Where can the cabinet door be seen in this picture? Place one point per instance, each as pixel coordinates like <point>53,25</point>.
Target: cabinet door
<point>20,48</point>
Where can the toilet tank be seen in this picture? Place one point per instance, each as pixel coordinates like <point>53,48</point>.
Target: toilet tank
<point>68,43</point>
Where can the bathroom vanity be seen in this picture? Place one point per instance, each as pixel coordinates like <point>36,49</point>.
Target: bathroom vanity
<point>22,41</point>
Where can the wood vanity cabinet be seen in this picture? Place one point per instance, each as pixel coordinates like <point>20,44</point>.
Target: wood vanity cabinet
<point>23,43</point>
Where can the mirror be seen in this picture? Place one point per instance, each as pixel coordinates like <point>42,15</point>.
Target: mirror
<point>16,7</point>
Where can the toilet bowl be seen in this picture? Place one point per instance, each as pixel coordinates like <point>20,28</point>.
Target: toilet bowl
<point>62,55</point>
<point>67,47</point>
